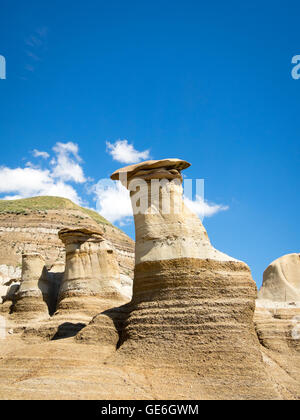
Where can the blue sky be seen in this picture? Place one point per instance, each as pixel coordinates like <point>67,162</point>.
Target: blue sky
<point>209,82</point>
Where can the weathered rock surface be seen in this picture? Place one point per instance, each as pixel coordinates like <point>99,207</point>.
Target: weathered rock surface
<point>31,225</point>
<point>9,292</point>
<point>277,322</point>
<point>91,282</point>
<point>166,228</point>
<point>192,307</point>
<point>105,328</point>
<point>32,295</point>
<point>8,272</point>
<point>281,280</point>
<point>8,275</point>
<point>188,332</point>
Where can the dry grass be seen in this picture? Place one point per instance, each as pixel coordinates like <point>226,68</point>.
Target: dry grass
<point>45,203</point>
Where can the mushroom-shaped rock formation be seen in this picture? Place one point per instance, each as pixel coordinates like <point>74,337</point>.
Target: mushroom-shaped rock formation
<point>277,321</point>
<point>165,228</point>
<point>192,306</point>
<point>32,294</point>
<point>91,282</point>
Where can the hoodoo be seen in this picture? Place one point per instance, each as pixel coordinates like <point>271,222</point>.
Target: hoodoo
<point>281,280</point>
<point>33,291</point>
<point>277,321</point>
<point>192,307</point>
<point>164,227</point>
<point>91,282</point>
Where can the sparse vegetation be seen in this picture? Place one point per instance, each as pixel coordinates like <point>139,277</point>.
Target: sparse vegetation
<point>45,203</point>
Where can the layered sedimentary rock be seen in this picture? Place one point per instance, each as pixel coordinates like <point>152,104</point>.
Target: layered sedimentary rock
<point>8,295</point>
<point>32,294</point>
<point>188,332</point>
<point>277,321</point>
<point>31,226</point>
<point>192,306</point>
<point>165,228</point>
<point>8,275</point>
<point>105,328</point>
<point>91,282</point>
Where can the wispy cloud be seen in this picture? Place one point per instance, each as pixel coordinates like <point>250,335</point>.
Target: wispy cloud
<point>33,56</point>
<point>35,45</point>
<point>30,68</point>
<point>38,153</point>
<point>33,41</point>
<point>203,208</point>
<point>124,152</point>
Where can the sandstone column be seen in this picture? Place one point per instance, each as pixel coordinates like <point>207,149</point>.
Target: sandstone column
<point>32,293</point>
<point>277,321</point>
<point>91,282</point>
<point>192,305</point>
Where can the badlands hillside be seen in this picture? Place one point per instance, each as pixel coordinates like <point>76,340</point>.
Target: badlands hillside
<point>32,225</point>
<point>190,326</point>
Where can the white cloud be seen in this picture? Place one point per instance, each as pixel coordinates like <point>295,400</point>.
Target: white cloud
<point>64,168</point>
<point>12,197</point>
<point>33,180</point>
<point>113,201</point>
<point>65,165</point>
<point>124,152</point>
<point>61,189</point>
<point>32,165</point>
<point>23,180</point>
<point>28,182</point>
<point>202,208</point>
<point>38,153</point>
<point>66,149</point>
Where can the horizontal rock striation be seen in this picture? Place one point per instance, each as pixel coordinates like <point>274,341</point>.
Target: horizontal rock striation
<point>33,292</point>
<point>277,323</point>
<point>192,306</point>
<point>105,329</point>
<point>32,225</point>
<point>188,331</point>
<point>91,282</point>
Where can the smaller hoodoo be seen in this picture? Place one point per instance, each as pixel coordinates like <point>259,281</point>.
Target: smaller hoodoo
<point>91,282</point>
<point>30,299</point>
